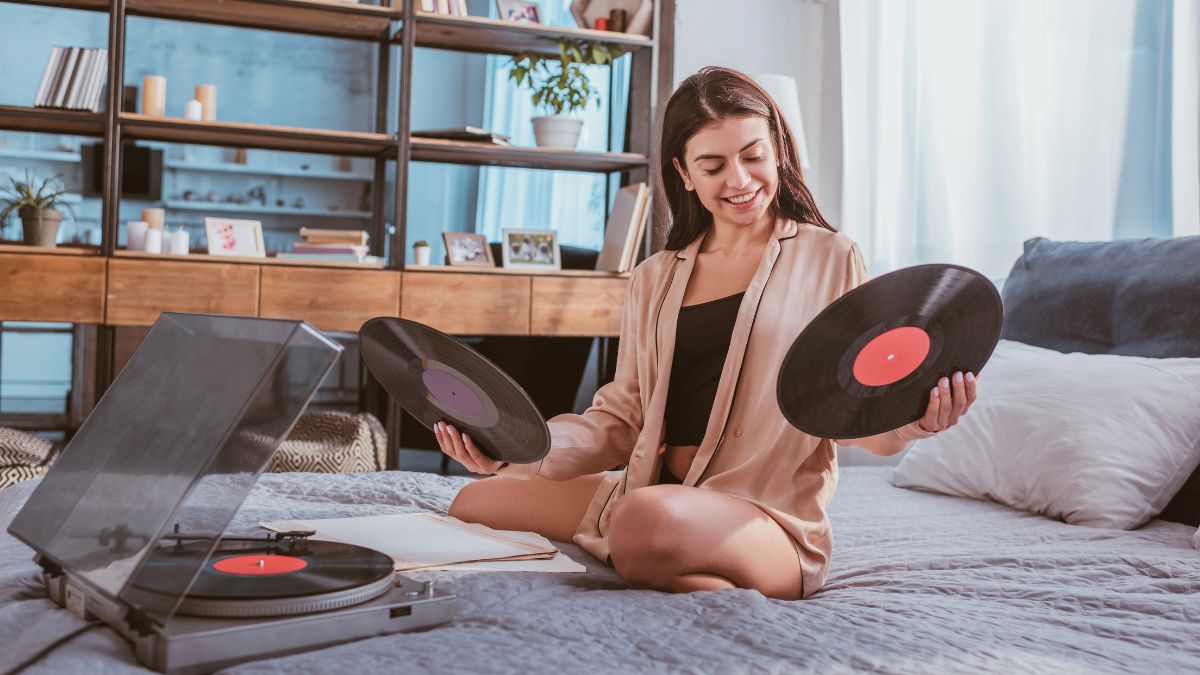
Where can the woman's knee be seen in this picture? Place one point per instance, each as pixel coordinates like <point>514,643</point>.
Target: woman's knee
<point>469,503</point>
<point>645,537</point>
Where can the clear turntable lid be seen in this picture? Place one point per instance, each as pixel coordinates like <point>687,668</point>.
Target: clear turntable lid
<point>175,444</point>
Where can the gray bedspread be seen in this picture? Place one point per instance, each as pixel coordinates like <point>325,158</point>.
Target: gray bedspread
<point>919,583</point>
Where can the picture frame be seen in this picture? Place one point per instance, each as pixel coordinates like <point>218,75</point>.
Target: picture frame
<point>234,237</point>
<point>467,249</point>
<point>520,11</point>
<point>531,250</point>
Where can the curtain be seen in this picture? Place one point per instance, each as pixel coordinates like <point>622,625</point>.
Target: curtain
<point>970,127</point>
<point>572,203</point>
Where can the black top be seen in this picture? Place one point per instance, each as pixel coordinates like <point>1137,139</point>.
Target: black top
<point>701,342</point>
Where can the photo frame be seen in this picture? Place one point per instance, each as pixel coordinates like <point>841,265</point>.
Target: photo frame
<point>233,237</point>
<point>521,11</point>
<point>467,249</point>
<point>531,250</point>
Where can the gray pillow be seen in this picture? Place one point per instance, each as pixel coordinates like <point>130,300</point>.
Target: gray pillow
<point>1136,297</point>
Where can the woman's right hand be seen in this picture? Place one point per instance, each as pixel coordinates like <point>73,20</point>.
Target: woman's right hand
<point>460,447</point>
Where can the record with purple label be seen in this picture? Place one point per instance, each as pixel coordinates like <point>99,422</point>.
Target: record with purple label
<point>435,377</point>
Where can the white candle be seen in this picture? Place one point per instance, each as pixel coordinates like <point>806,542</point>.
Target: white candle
<point>135,231</point>
<point>153,241</point>
<point>192,110</point>
<point>154,96</point>
<point>153,217</point>
<point>179,242</point>
<point>207,95</point>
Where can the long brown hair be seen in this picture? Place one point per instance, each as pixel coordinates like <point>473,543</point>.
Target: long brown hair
<point>709,97</point>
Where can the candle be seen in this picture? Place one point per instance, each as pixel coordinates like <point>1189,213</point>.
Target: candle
<point>154,241</point>
<point>154,96</point>
<point>135,231</point>
<point>179,242</point>
<point>192,110</point>
<point>153,218</point>
<point>207,95</point>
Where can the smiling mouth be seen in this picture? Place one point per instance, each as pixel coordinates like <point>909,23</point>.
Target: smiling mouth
<point>743,199</point>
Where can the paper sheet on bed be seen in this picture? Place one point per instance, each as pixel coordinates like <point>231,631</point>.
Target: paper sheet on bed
<point>427,541</point>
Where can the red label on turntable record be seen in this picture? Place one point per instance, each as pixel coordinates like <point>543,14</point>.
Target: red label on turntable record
<point>259,565</point>
<point>891,356</point>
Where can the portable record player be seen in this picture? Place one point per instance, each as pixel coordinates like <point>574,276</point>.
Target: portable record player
<point>128,525</point>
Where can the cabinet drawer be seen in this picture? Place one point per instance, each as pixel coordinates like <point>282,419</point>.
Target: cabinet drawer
<point>576,306</point>
<point>52,288</point>
<point>467,304</point>
<point>330,299</point>
<point>140,290</point>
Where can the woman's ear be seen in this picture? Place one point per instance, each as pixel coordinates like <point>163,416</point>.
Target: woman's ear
<point>687,182</point>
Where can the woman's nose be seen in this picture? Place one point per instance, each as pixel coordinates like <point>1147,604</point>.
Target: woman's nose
<point>739,176</point>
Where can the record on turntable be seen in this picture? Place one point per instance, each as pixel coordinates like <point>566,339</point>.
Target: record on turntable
<point>436,377</point>
<point>866,364</point>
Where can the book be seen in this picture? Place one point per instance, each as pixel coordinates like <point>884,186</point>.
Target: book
<point>313,235</point>
<point>332,257</point>
<point>468,133</point>
<point>48,74</point>
<point>630,259</point>
<point>621,227</point>
<point>346,249</point>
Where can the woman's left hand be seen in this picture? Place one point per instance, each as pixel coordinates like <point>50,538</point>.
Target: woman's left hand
<point>948,401</point>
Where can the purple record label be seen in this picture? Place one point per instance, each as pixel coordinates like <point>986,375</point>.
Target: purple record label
<point>457,395</point>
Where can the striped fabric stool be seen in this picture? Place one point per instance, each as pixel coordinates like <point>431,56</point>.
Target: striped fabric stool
<point>333,442</point>
<point>22,456</point>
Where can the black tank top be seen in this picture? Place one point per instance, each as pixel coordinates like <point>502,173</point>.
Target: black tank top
<point>701,342</point>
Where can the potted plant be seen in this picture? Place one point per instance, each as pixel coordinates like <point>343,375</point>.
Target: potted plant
<point>421,252</point>
<point>560,86</point>
<point>37,205</point>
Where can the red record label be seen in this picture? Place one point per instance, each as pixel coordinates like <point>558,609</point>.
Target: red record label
<point>260,565</point>
<point>891,356</point>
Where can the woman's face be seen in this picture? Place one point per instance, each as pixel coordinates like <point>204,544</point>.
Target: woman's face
<point>731,166</point>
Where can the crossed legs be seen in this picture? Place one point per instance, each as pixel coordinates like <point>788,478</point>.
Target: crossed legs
<point>667,537</point>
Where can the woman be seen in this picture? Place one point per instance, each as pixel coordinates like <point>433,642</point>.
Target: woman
<point>718,490</point>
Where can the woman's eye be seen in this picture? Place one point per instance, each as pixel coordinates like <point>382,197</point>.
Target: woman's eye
<point>709,172</point>
<point>756,159</point>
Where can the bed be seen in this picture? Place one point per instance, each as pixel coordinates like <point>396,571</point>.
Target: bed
<point>919,583</point>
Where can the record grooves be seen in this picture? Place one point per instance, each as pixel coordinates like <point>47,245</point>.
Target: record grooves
<point>866,364</point>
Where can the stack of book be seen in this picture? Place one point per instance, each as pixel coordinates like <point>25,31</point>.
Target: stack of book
<point>74,79</point>
<point>468,134</point>
<point>331,246</point>
<point>447,7</point>
<point>625,229</point>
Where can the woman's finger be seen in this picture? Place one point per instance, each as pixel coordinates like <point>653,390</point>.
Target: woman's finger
<point>486,464</point>
<point>944,404</point>
<point>972,392</point>
<point>446,442</point>
<point>929,421</point>
<point>460,450</point>
<point>958,398</point>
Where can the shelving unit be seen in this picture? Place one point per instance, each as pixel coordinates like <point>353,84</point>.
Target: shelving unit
<point>225,207</point>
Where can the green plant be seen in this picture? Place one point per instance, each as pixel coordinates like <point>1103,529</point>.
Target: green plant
<point>562,85</point>
<point>420,242</point>
<point>26,195</point>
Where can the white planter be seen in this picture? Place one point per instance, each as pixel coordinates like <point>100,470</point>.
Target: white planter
<point>421,255</point>
<point>557,131</point>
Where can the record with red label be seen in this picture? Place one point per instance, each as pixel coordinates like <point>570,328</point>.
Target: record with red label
<point>866,364</point>
<point>436,377</point>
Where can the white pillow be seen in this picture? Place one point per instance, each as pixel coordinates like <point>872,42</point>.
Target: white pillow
<point>1094,439</point>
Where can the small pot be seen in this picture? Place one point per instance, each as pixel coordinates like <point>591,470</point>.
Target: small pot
<point>557,131</point>
<point>421,255</point>
<point>40,228</point>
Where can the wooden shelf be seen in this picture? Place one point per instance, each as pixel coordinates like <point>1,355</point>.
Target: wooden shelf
<point>226,259</point>
<point>40,155</point>
<point>328,18</point>
<point>510,272</point>
<point>264,136</point>
<point>493,36</point>
<point>51,121</point>
<point>463,152</point>
<point>12,247</point>
<point>89,5</point>
<point>226,207</point>
<point>253,170</point>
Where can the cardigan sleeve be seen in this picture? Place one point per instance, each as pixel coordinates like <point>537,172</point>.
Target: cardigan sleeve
<point>603,436</point>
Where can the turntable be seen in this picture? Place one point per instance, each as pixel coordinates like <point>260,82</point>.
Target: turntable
<point>129,525</point>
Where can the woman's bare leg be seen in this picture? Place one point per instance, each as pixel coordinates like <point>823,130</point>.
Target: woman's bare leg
<point>682,539</point>
<point>553,509</point>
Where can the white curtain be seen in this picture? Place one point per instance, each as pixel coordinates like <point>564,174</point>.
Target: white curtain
<point>571,203</point>
<point>972,126</point>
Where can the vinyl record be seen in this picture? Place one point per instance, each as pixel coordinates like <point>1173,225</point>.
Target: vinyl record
<point>259,570</point>
<point>866,364</point>
<point>438,378</point>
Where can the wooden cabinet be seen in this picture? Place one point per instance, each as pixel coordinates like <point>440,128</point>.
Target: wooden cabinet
<point>467,304</point>
<point>49,287</point>
<point>576,306</point>
<point>140,290</point>
<point>330,299</point>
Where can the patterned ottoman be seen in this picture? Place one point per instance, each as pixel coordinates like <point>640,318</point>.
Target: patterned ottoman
<point>333,442</point>
<point>22,456</point>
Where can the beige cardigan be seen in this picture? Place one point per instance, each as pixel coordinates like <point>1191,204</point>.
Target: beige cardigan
<point>749,449</point>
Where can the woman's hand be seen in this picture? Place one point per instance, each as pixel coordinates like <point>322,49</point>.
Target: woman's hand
<point>948,402</point>
<point>460,446</point>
